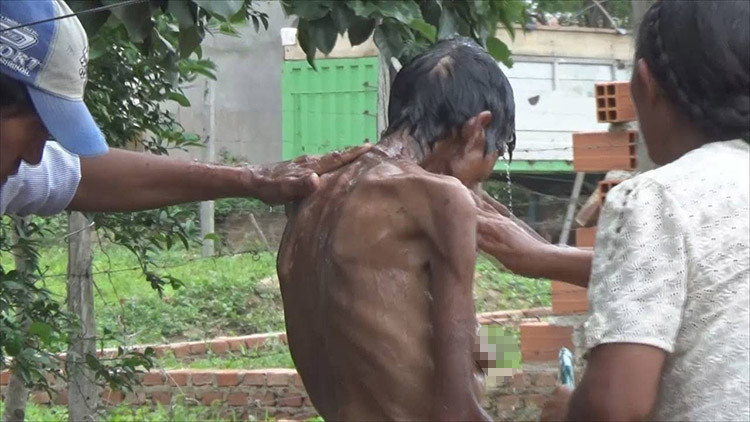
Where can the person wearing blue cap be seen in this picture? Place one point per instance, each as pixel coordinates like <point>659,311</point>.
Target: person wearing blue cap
<point>43,70</point>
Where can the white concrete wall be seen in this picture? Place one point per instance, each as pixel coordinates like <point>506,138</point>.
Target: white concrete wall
<point>565,104</point>
<point>248,90</point>
<point>558,65</point>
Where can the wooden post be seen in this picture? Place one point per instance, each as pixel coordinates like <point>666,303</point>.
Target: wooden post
<point>17,394</point>
<point>570,213</point>
<point>83,393</point>
<point>209,155</point>
<point>384,89</point>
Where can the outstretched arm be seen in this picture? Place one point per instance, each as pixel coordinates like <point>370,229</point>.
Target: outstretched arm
<point>129,181</point>
<point>452,228</point>
<point>526,255</point>
<point>486,202</point>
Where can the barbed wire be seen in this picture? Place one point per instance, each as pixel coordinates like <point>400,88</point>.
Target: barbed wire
<point>82,12</point>
<point>256,252</point>
<point>517,150</point>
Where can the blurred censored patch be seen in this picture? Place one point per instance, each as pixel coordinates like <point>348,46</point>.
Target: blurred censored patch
<point>497,351</point>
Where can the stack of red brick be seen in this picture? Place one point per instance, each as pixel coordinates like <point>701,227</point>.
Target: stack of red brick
<point>593,152</point>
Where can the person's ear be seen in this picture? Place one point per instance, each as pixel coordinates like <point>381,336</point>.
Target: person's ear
<point>473,131</point>
<point>651,90</point>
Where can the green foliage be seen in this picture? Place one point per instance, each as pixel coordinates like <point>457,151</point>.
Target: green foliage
<point>190,20</point>
<point>31,322</point>
<point>405,28</point>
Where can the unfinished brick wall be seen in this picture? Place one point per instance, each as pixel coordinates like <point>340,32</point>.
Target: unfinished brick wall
<point>279,393</point>
<point>258,393</point>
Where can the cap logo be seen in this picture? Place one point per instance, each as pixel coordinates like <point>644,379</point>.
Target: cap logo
<point>11,44</point>
<point>84,60</point>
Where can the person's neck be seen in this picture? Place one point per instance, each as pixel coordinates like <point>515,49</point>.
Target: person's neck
<point>682,137</point>
<point>400,146</point>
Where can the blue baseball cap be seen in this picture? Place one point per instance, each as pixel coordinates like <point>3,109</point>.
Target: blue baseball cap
<point>51,60</point>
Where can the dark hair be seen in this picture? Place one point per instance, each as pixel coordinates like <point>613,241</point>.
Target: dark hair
<point>13,95</point>
<point>699,52</point>
<point>442,88</point>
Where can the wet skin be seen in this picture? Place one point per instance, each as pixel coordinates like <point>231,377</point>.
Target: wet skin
<point>376,271</point>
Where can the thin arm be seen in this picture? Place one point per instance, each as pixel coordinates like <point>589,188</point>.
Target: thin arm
<point>127,181</point>
<point>453,231</point>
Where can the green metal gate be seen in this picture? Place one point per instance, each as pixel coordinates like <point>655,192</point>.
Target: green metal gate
<point>332,108</point>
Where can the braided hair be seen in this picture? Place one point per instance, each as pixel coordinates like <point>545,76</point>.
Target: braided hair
<point>699,52</point>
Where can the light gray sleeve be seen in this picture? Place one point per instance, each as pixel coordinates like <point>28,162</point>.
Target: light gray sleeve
<point>638,284</point>
<point>44,189</point>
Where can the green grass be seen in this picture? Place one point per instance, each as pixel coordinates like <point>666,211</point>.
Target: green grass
<point>177,412</point>
<point>218,298</point>
<point>221,296</point>
<point>495,289</point>
<point>272,355</point>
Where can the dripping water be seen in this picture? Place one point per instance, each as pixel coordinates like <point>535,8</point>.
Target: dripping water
<point>509,183</point>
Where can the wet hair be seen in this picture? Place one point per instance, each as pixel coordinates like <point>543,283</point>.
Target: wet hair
<point>440,89</point>
<point>699,52</point>
<point>13,96</point>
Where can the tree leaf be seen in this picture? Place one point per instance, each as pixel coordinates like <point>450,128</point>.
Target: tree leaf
<point>92,361</point>
<point>431,11</point>
<point>404,11</point>
<point>223,8</point>
<point>256,24</point>
<point>309,9</point>
<point>389,40</point>
<point>325,34</point>
<point>360,29</point>
<point>41,330</point>
<point>136,18</point>
<point>342,17</point>
<point>448,26</point>
<point>499,51</point>
<point>365,9</point>
<point>13,345</point>
<point>180,9</point>
<point>189,39</point>
<point>179,98</point>
<point>306,42</point>
<point>424,28</point>
<point>91,22</point>
<point>211,236</point>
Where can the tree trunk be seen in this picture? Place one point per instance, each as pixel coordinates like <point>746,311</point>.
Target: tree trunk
<point>83,393</point>
<point>17,393</point>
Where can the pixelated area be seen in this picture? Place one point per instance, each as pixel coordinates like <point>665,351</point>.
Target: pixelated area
<point>498,352</point>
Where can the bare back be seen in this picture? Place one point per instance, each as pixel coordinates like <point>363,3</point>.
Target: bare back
<point>354,268</point>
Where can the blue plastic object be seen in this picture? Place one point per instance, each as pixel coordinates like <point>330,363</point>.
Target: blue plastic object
<point>567,377</point>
